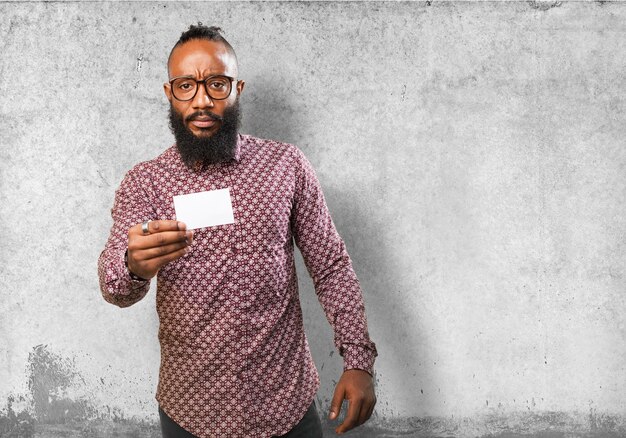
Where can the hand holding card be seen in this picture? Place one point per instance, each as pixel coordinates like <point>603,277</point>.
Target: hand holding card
<point>154,244</point>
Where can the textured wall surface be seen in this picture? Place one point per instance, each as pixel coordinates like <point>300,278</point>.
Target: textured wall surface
<point>472,155</point>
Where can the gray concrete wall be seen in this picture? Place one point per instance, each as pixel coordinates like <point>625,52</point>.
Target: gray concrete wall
<point>473,157</point>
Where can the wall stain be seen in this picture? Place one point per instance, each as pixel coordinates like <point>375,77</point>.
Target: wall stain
<point>16,424</point>
<point>544,5</point>
<point>139,62</point>
<point>513,425</point>
<point>52,409</point>
<point>51,376</point>
<point>138,70</point>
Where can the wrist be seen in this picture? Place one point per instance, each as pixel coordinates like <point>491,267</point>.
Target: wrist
<point>130,273</point>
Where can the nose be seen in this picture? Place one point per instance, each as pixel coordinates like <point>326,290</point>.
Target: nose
<point>202,98</point>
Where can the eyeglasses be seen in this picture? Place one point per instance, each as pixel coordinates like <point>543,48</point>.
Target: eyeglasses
<point>218,87</point>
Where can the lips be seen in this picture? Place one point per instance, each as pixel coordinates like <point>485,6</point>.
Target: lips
<point>203,122</point>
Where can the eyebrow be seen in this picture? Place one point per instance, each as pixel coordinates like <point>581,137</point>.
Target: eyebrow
<point>193,76</point>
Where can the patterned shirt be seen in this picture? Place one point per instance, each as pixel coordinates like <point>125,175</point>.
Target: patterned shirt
<point>235,361</point>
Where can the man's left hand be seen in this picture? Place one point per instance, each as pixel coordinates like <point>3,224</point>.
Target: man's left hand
<point>357,387</point>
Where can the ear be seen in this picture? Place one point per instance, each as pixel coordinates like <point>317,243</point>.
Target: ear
<point>167,88</point>
<point>240,85</point>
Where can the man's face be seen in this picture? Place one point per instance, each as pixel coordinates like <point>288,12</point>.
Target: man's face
<point>200,59</point>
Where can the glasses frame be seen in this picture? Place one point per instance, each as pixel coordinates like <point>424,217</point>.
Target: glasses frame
<point>206,89</point>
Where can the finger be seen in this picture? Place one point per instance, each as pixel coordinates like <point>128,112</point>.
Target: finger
<point>149,268</point>
<point>337,401</point>
<point>352,418</point>
<point>164,260</point>
<point>159,251</point>
<point>158,239</point>
<point>160,226</point>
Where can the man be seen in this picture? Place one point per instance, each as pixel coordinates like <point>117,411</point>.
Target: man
<point>234,358</point>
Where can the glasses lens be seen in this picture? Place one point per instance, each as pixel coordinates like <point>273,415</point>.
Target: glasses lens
<point>218,87</point>
<point>184,88</point>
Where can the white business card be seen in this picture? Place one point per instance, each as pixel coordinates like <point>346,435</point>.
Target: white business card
<point>204,209</point>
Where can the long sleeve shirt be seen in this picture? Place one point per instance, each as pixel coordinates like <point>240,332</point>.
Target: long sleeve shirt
<point>235,361</point>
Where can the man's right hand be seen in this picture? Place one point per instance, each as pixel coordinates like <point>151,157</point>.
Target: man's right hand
<point>166,241</point>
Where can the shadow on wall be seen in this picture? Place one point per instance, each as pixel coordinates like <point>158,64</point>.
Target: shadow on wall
<point>268,112</point>
<point>373,260</point>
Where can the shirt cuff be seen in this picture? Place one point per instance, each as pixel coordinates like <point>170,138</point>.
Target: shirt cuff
<point>358,357</point>
<point>133,282</point>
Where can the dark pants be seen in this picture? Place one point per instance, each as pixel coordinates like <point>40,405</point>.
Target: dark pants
<point>309,427</point>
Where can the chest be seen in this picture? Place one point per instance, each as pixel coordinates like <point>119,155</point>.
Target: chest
<point>261,197</point>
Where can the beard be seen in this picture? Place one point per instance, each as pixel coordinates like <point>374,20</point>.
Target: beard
<point>218,148</point>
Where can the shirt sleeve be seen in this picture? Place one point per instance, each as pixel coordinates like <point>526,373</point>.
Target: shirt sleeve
<point>129,208</point>
<point>330,267</point>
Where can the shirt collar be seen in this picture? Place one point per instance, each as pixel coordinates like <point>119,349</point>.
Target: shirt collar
<point>237,157</point>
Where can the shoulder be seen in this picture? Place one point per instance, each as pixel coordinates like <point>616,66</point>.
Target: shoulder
<point>266,149</point>
<point>169,159</point>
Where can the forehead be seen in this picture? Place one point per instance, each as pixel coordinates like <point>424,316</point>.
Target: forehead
<point>200,58</point>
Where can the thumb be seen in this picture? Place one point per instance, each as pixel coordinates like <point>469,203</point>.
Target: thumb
<point>335,404</point>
